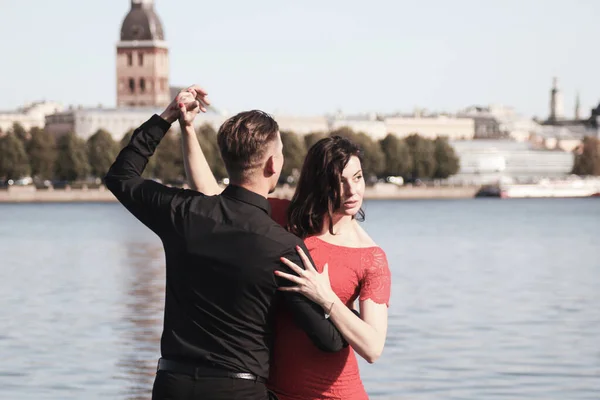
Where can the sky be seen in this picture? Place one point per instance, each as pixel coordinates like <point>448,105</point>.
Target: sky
<point>312,56</point>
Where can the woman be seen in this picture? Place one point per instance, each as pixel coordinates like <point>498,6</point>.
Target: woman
<point>323,212</point>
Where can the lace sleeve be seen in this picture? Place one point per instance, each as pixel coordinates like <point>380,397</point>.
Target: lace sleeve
<point>376,280</point>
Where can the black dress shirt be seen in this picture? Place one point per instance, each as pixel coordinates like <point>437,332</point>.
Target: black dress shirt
<point>221,253</point>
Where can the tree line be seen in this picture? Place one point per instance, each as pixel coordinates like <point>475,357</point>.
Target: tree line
<point>413,157</point>
<point>587,157</point>
<point>69,158</point>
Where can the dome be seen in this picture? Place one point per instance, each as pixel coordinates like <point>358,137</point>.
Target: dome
<point>142,23</point>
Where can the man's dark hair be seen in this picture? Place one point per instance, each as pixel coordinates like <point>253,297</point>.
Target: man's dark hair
<point>243,140</point>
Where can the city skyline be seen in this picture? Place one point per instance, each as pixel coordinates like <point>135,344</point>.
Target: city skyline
<point>320,58</point>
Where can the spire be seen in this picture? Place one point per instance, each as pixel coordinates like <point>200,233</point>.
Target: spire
<point>556,102</point>
<point>577,107</point>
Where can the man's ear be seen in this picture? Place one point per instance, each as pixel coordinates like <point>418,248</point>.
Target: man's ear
<point>270,167</point>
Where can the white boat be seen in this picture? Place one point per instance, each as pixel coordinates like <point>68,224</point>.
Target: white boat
<point>571,187</point>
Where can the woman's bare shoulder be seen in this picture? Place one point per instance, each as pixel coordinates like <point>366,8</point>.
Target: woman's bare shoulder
<point>363,237</point>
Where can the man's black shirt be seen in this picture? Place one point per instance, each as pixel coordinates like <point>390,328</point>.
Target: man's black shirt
<point>221,253</point>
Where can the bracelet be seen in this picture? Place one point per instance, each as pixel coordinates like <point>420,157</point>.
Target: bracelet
<point>328,313</point>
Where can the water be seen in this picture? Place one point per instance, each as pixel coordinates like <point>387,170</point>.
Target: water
<point>491,299</point>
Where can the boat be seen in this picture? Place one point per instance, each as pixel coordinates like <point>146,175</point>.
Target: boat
<point>545,188</point>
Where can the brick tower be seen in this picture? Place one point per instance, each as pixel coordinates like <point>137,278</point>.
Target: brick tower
<point>142,59</point>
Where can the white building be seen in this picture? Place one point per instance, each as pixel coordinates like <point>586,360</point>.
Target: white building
<point>497,121</point>
<point>492,161</point>
<point>432,127</point>
<point>370,124</point>
<point>376,130</point>
<point>84,122</point>
<point>302,125</point>
<point>31,115</point>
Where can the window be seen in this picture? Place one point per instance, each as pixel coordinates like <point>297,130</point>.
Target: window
<point>129,59</point>
<point>132,85</point>
<point>141,59</point>
<point>142,85</point>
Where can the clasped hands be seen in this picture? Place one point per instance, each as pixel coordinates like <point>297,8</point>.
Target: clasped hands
<point>186,105</point>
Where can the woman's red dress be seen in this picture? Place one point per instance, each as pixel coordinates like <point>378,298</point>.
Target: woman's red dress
<point>299,370</point>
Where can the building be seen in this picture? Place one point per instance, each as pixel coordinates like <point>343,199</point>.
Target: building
<point>431,126</point>
<point>29,116</point>
<point>500,122</point>
<point>486,124</point>
<point>142,59</point>
<point>84,122</point>
<point>560,128</point>
<point>493,161</point>
<point>143,89</point>
<point>557,111</point>
<point>370,124</point>
<point>301,125</point>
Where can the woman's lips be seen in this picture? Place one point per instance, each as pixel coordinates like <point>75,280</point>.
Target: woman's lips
<point>350,204</point>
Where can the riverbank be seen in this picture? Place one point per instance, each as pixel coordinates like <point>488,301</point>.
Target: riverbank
<point>29,194</point>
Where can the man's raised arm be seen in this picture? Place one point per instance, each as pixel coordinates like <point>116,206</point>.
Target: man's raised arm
<point>150,201</point>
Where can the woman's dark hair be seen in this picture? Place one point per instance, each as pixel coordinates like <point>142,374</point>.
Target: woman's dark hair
<point>318,192</point>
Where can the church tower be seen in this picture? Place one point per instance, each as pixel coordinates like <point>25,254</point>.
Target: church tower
<point>577,108</point>
<point>556,103</point>
<point>142,59</point>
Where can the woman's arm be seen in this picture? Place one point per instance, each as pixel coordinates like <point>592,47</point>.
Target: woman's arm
<point>197,170</point>
<point>366,334</point>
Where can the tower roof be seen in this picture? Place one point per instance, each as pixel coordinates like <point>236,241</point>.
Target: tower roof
<point>142,22</point>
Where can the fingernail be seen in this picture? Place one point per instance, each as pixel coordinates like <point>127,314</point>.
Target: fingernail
<point>297,247</point>
<point>180,104</point>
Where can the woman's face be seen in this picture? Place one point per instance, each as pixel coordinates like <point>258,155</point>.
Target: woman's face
<point>352,187</point>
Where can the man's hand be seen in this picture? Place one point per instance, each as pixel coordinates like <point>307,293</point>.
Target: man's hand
<point>186,105</point>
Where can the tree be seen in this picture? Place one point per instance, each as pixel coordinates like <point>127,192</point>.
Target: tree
<point>446,160</point>
<point>423,156</point>
<point>42,153</point>
<point>398,160</point>
<point>294,151</point>
<point>101,151</point>
<point>207,137</point>
<point>312,138</point>
<point>13,158</point>
<point>72,162</point>
<point>373,162</point>
<point>587,157</point>
<point>169,161</point>
<point>20,132</point>
<point>126,138</point>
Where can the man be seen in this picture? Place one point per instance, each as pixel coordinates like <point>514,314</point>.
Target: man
<point>221,254</point>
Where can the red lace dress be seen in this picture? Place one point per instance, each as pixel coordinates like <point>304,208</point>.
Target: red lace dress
<point>300,371</point>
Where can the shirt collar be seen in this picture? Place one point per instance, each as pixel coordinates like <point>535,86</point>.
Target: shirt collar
<point>247,196</point>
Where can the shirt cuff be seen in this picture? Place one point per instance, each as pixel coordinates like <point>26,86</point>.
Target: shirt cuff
<point>160,122</point>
